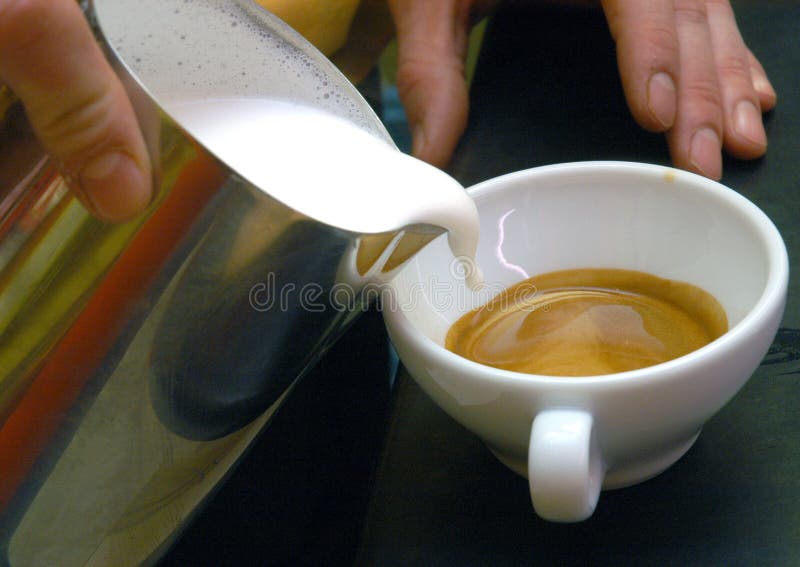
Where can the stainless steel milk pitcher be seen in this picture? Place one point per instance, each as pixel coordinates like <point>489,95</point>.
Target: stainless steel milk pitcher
<point>138,361</point>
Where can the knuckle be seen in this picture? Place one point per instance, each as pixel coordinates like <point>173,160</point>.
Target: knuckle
<point>414,71</point>
<point>76,126</point>
<point>690,11</point>
<point>731,68</point>
<point>705,95</point>
<point>410,74</point>
<point>661,40</point>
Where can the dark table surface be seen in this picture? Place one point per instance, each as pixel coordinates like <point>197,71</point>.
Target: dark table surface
<point>353,471</point>
<point>545,91</point>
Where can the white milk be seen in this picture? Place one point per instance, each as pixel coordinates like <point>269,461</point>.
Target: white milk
<point>325,154</point>
<point>330,169</point>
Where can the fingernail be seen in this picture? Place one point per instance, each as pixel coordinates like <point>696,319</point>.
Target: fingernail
<point>661,99</point>
<point>748,124</point>
<point>115,186</point>
<point>762,85</point>
<point>706,153</point>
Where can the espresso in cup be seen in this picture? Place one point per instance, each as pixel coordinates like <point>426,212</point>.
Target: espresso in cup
<point>572,437</point>
<point>587,322</point>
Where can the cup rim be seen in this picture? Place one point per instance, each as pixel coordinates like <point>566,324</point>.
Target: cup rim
<point>771,297</point>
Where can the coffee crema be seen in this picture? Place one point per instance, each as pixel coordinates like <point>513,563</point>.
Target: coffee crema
<point>587,322</point>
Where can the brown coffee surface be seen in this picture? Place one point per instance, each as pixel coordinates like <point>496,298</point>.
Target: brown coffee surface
<point>587,322</point>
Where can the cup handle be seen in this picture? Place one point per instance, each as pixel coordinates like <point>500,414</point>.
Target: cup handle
<point>565,467</point>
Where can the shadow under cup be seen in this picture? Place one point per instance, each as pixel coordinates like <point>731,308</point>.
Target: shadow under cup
<point>625,427</point>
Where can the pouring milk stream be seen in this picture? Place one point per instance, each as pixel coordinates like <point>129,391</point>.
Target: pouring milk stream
<point>332,170</point>
<point>305,143</point>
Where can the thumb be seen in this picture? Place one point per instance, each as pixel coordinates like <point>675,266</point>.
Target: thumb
<point>432,44</point>
<point>76,105</point>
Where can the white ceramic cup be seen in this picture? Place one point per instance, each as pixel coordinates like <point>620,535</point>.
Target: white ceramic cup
<point>572,436</point>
